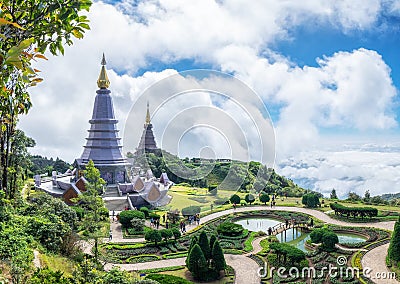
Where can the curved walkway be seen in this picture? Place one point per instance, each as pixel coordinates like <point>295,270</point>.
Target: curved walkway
<point>378,270</point>
<point>246,269</point>
<point>315,213</point>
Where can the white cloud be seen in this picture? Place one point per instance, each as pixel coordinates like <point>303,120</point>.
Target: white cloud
<point>347,170</point>
<point>228,37</point>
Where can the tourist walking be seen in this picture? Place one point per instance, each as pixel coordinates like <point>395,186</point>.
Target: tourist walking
<point>110,236</point>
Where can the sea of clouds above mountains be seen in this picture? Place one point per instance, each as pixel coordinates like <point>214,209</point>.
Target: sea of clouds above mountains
<point>354,168</point>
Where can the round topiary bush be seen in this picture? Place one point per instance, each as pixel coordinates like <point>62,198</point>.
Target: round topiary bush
<point>230,229</point>
<point>126,216</point>
<point>145,210</point>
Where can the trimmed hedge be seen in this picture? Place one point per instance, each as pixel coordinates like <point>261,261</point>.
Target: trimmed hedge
<point>354,211</point>
<point>126,216</point>
<point>287,252</point>
<point>191,210</point>
<point>230,229</point>
<point>167,279</point>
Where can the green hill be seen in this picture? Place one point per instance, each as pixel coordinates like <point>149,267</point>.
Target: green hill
<point>224,174</point>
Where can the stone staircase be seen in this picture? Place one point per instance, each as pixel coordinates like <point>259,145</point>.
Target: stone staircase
<point>111,191</point>
<point>116,204</point>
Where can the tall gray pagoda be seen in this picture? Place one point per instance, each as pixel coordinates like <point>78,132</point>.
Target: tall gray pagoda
<point>147,142</point>
<point>103,145</point>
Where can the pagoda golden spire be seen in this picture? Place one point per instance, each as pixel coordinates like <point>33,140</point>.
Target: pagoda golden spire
<point>103,81</point>
<point>148,114</point>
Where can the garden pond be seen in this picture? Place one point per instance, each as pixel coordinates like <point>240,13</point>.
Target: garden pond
<point>294,237</point>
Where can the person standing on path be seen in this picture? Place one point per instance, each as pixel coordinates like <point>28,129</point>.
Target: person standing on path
<point>110,237</point>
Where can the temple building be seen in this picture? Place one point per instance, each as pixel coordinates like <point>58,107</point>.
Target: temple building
<point>103,145</point>
<point>147,142</point>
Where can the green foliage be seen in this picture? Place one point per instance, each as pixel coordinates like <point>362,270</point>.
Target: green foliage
<point>88,271</point>
<point>218,258</point>
<point>93,205</point>
<point>329,240</point>
<point>15,248</point>
<point>213,238</point>
<point>47,276</point>
<point>116,276</point>
<point>205,245</point>
<point>333,194</point>
<point>126,216</point>
<point>42,165</point>
<point>145,210</point>
<point>264,198</point>
<point>177,234</point>
<point>354,211</point>
<point>154,215</point>
<point>197,263</point>
<point>235,199</point>
<point>248,246</point>
<point>194,240</point>
<point>45,205</point>
<point>49,232</point>
<point>354,197</point>
<point>137,224</point>
<point>249,198</point>
<point>167,279</point>
<point>310,200</point>
<point>153,236</point>
<point>316,235</point>
<point>27,28</point>
<point>166,234</point>
<point>230,229</point>
<point>325,236</point>
<point>287,253</point>
<point>394,247</point>
<point>243,175</point>
<point>191,210</point>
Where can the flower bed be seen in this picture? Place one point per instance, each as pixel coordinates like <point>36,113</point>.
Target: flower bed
<point>142,258</point>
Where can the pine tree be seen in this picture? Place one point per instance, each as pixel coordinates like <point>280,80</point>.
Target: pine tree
<point>196,262</point>
<point>394,247</point>
<point>213,238</point>
<point>205,245</point>
<point>193,241</point>
<point>218,258</point>
<point>333,194</point>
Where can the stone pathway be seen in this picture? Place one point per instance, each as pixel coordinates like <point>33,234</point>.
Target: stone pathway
<point>378,271</point>
<point>246,268</point>
<point>256,245</point>
<point>36,259</point>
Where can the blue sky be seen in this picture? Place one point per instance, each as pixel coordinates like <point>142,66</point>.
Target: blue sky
<point>327,71</point>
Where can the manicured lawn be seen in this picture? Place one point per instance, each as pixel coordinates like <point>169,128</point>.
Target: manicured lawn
<point>183,196</point>
<point>360,204</point>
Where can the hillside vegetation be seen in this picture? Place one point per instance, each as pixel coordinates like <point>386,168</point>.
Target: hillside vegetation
<point>227,175</point>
